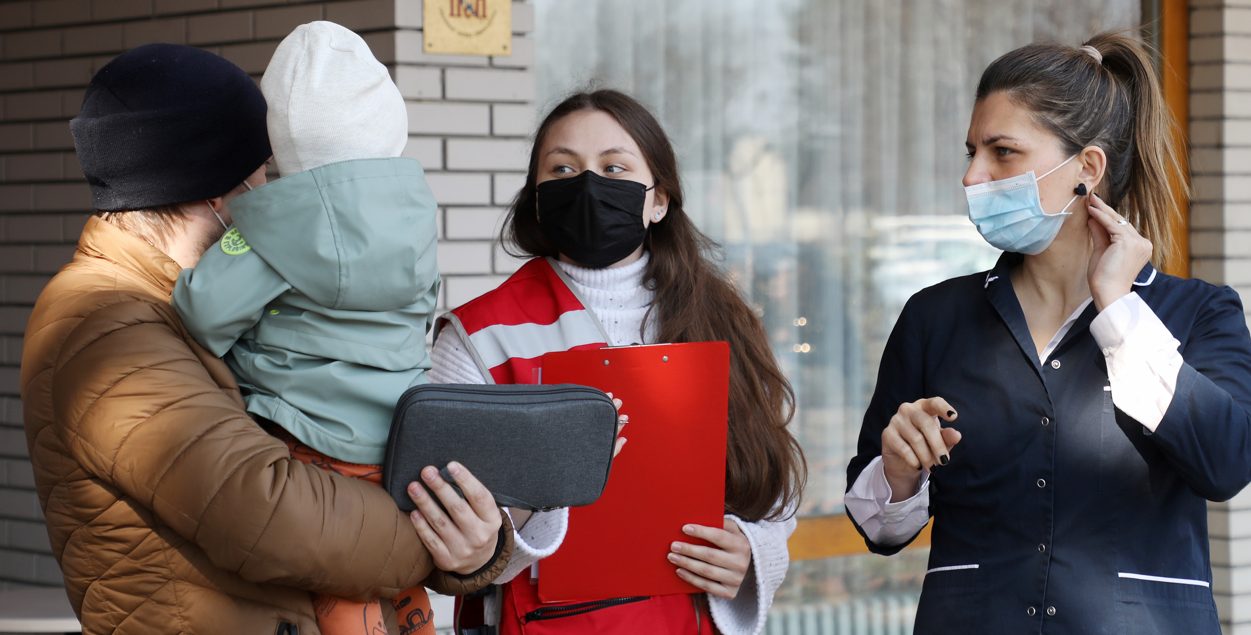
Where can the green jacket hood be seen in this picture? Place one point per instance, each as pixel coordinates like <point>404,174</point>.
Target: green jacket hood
<point>357,235</point>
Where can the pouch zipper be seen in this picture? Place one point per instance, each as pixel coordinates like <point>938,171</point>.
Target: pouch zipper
<point>586,391</point>
<point>570,610</point>
<point>552,391</point>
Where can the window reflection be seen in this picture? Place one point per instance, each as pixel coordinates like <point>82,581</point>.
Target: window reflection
<point>822,143</point>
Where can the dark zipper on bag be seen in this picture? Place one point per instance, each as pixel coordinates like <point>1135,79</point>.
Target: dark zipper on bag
<point>570,610</point>
<point>562,394</point>
<point>459,390</point>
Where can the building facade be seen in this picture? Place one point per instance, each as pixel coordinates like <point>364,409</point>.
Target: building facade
<point>820,142</point>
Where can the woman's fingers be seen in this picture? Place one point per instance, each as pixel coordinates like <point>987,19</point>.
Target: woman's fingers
<point>707,586</point>
<point>921,430</point>
<point>1106,221</point>
<point>951,437</point>
<point>481,502</point>
<point>919,445</point>
<point>915,433</point>
<point>1106,216</point>
<point>1110,223</point>
<point>1099,237</point>
<point>456,507</point>
<point>926,419</point>
<point>429,513</point>
<point>938,407</point>
<point>622,420</point>
<point>1119,253</point>
<point>710,555</point>
<point>430,538</point>
<point>464,541</point>
<point>932,433</point>
<point>894,444</point>
<point>729,539</point>
<point>428,508</point>
<point>704,569</point>
<point>725,563</point>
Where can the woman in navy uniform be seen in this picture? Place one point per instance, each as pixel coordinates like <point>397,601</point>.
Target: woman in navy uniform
<point>1066,416</point>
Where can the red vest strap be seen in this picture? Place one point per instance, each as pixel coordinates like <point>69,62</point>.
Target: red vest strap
<point>535,294</point>
<point>531,314</point>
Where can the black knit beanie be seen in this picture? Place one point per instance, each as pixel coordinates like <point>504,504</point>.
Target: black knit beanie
<point>163,124</point>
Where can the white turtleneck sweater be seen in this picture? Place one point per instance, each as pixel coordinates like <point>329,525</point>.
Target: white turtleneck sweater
<point>619,299</point>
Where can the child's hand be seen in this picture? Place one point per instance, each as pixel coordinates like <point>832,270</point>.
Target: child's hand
<point>463,539</point>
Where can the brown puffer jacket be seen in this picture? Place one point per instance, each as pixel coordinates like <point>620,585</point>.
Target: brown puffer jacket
<point>169,510</point>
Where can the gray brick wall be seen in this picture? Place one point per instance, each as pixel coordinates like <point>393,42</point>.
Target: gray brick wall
<point>470,120</point>
<point>1220,235</point>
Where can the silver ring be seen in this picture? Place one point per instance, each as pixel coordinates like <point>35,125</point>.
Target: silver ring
<point>1122,222</point>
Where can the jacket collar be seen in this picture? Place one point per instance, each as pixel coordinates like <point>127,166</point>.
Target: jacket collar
<point>1009,260</point>
<point>1002,297</point>
<point>102,240</point>
<point>1146,276</point>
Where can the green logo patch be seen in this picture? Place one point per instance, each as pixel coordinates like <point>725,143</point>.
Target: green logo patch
<point>234,244</point>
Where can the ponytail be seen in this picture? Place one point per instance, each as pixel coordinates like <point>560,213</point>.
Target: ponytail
<point>1105,94</point>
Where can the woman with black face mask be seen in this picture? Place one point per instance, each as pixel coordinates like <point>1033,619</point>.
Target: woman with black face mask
<point>616,261</point>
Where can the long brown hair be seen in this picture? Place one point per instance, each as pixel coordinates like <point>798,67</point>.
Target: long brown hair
<point>1108,98</point>
<point>765,468</point>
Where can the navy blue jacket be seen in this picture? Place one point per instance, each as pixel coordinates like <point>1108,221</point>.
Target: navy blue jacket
<point>1061,501</point>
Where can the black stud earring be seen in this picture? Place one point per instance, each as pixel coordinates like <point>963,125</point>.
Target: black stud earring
<point>1080,190</point>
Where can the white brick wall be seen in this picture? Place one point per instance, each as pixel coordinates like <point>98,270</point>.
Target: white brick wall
<point>470,120</point>
<point>1220,237</point>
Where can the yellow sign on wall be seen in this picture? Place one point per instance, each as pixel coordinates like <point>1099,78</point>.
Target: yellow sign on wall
<point>469,27</point>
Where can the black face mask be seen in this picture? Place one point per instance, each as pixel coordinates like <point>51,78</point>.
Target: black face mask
<point>595,221</point>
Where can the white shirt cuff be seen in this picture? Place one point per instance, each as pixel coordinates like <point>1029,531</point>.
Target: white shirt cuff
<point>886,523</point>
<point>1142,357</point>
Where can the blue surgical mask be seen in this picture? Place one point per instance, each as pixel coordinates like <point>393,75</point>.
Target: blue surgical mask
<point>1009,214</point>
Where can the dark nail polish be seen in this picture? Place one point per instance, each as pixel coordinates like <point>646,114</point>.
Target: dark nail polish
<point>951,413</point>
<point>944,459</point>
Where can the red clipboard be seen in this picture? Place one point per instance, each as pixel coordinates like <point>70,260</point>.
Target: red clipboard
<point>670,473</point>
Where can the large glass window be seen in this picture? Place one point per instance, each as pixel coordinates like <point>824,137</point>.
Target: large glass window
<point>822,143</point>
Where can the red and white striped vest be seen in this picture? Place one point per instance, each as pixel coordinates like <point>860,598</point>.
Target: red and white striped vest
<point>533,313</point>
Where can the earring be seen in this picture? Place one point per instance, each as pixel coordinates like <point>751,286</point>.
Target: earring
<point>657,216</point>
<point>1080,190</point>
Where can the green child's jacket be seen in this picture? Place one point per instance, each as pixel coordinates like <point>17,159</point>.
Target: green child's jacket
<point>320,298</point>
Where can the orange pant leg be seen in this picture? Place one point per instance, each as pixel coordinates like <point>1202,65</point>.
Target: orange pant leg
<point>339,616</point>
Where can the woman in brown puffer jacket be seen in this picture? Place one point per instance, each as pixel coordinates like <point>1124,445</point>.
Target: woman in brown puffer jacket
<point>169,510</point>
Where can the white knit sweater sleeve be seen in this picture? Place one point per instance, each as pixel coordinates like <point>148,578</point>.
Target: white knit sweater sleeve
<point>745,614</point>
<point>542,534</point>
<point>450,361</point>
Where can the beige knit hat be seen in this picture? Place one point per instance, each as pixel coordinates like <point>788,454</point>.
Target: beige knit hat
<point>330,100</point>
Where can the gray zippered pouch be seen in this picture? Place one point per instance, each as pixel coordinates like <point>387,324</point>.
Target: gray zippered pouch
<point>534,447</point>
